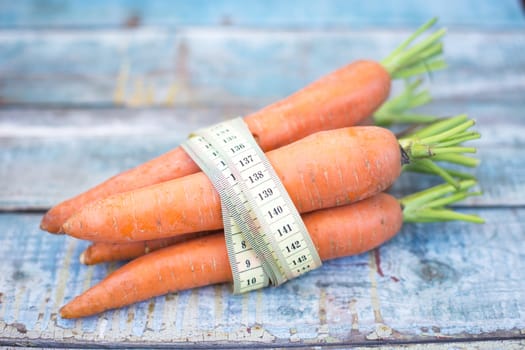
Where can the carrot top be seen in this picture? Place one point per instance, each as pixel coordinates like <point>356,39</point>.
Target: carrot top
<point>409,60</point>
<point>440,141</point>
<point>430,205</point>
<point>398,109</point>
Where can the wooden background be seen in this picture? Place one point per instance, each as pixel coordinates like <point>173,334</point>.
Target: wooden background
<point>90,88</point>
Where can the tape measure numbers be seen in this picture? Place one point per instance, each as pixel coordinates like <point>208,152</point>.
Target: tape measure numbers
<point>265,235</point>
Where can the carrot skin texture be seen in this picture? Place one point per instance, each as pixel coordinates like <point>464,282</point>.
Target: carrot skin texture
<point>339,99</point>
<point>170,165</point>
<point>100,252</point>
<point>342,166</point>
<point>335,232</point>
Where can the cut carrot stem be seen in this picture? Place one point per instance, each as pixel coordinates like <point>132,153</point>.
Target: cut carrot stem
<point>409,58</point>
<point>457,159</point>
<point>440,141</point>
<point>340,99</point>
<point>430,205</point>
<point>439,126</point>
<point>416,167</point>
<point>398,108</point>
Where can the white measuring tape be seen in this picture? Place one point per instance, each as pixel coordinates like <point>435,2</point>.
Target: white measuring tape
<point>265,236</point>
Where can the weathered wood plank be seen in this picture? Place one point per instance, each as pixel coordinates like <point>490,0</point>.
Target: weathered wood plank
<point>430,283</point>
<point>507,344</point>
<point>231,66</point>
<point>41,157</point>
<point>48,155</point>
<point>270,13</point>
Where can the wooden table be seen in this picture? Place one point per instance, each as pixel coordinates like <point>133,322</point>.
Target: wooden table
<point>88,89</point>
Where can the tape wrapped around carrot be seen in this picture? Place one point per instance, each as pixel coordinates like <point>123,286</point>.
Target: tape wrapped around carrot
<point>336,232</point>
<point>340,99</point>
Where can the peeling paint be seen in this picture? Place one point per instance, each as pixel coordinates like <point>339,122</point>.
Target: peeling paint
<point>381,331</point>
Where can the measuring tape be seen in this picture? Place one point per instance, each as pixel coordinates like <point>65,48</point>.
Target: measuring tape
<point>266,239</point>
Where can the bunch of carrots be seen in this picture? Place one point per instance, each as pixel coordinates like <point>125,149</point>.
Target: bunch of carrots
<point>165,215</point>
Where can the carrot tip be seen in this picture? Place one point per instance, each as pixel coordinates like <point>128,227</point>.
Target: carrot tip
<point>82,258</point>
<point>46,226</point>
<point>65,313</point>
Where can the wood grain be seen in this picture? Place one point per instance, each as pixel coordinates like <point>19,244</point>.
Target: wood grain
<point>84,96</point>
<point>430,283</point>
<point>268,14</point>
<point>74,149</point>
<point>215,67</point>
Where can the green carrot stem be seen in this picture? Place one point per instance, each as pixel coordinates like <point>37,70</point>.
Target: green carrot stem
<point>443,125</point>
<point>423,54</point>
<point>453,198</point>
<point>420,48</point>
<point>458,159</point>
<point>460,138</point>
<point>430,205</point>
<point>456,149</point>
<point>409,118</point>
<point>432,168</point>
<point>405,57</point>
<point>419,99</point>
<point>396,109</point>
<point>411,38</point>
<point>440,215</point>
<point>420,198</point>
<point>421,150</point>
<point>409,60</point>
<point>440,141</point>
<point>421,68</point>
<point>448,133</point>
<point>416,168</point>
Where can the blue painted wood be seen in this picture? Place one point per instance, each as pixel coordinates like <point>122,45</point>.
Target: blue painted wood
<point>430,282</point>
<point>214,60</point>
<point>75,149</point>
<point>210,67</point>
<point>269,13</point>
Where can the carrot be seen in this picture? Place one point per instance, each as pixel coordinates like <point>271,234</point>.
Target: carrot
<point>335,232</point>
<point>342,166</point>
<point>339,99</point>
<point>99,252</point>
<point>323,170</point>
<point>204,261</point>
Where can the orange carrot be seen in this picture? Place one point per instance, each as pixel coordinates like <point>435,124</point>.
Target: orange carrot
<point>99,252</point>
<point>323,170</point>
<point>335,232</point>
<point>339,99</point>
